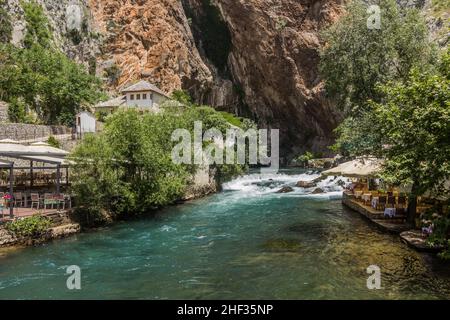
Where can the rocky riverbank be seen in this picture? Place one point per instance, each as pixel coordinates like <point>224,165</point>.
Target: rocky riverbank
<point>63,230</point>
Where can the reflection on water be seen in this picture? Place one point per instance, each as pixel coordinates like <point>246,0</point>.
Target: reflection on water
<point>245,243</point>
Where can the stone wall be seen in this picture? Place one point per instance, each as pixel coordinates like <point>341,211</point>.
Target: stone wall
<point>22,131</point>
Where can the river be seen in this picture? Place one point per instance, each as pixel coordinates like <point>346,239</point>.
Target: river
<point>246,242</point>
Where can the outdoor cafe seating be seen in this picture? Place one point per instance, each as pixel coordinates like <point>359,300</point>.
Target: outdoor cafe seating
<point>25,204</point>
<point>391,203</point>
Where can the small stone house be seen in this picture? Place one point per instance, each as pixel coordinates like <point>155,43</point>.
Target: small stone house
<point>142,95</point>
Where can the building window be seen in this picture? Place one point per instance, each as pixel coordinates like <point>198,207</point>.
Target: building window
<point>138,96</point>
<point>131,96</point>
<point>144,96</point>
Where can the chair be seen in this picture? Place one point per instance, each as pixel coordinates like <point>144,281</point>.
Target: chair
<point>60,199</point>
<point>18,199</point>
<point>390,202</point>
<point>68,198</point>
<point>401,204</point>
<point>49,200</point>
<point>35,200</point>
<point>381,203</point>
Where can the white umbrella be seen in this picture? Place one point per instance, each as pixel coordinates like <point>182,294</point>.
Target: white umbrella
<point>361,167</point>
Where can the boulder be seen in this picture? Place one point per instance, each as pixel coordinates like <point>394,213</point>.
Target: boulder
<point>285,189</point>
<point>318,191</point>
<point>319,179</point>
<point>306,184</point>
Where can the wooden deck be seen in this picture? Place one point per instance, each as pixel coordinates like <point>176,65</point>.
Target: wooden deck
<point>392,225</point>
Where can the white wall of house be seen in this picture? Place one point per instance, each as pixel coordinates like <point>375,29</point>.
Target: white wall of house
<point>85,122</point>
<point>158,99</point>
<point>141,99</point>
<point>144,100</point>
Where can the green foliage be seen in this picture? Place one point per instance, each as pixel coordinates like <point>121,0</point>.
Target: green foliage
<point>33,226</point>
<point>413,122</point>
<point>101,115</point>
<point>304,158</point>
<point>182,97</point>
<point>133,170</point>
<point>53,86</point>
<point>6,27</point>
<point>53,142</point>
<point>410,128</point>
<point>439,217</point>
<point>38,31</point>
<point>75,36</point>
<point>113,74</point>
<point>355,136</point>
<point>17,111</point>
<point>232,119</point>
<point>370,56</point>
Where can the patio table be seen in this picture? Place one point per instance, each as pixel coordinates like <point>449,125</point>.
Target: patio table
<point>389,212</point>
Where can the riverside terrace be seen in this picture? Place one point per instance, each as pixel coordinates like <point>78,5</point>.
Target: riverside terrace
<point>387,206</point>
<point>32,179</point>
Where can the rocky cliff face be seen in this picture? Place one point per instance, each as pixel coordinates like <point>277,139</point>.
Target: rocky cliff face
<point>274,59</point>
<point>82,47</point>
<point>149,39</point>
<point>256,58</point>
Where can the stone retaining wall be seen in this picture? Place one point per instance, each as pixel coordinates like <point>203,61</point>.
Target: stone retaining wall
<point>23,131</point>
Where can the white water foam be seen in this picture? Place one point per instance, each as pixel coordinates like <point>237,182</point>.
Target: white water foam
<point>258,184</point>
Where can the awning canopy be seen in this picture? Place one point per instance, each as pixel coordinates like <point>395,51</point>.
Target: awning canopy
<point>360,168</point>
<point>51,160</point>
<point>11,148</point>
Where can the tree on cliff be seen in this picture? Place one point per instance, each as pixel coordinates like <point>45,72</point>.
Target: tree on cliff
<point>5,24</point>
<point>42,77</point>
<point>37,25</point>
<point>355,58</point>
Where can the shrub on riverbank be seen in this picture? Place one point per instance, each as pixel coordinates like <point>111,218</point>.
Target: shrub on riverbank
<point>128,169</point>
<point>33,226</point>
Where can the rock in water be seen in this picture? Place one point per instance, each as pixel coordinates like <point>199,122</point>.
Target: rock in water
<point>285,189</point>
<point>318,191</point>
<point>306,184</point>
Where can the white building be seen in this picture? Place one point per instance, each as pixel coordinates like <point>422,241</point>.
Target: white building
<point>142,95</point>
<point>85,123</point>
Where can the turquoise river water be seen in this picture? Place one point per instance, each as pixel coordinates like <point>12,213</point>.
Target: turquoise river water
<point>246,242</point>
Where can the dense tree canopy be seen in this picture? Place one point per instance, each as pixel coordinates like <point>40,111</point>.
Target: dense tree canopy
<point>128,168</point>
<point>356,58</point>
